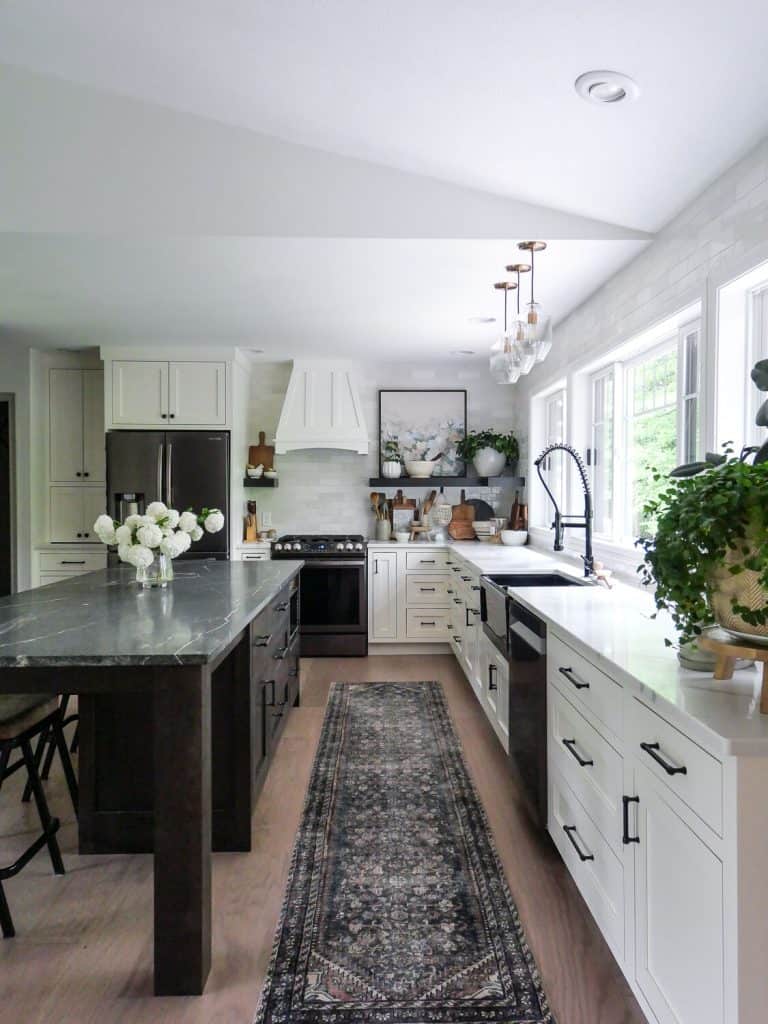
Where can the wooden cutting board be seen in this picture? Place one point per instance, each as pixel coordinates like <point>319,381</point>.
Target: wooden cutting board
<point>261,453</point>
<point>463,512</point>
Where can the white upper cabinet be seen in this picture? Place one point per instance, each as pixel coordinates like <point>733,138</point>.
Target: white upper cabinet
<point>321,409</point>
<point>139,393</point>
<point>156,393</point>
<point>197,393</point>
<point>76,426</point>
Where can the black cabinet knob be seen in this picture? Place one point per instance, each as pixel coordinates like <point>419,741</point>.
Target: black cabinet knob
<point>86,474</point>
<point>163,416</point>
<point>78,473</point>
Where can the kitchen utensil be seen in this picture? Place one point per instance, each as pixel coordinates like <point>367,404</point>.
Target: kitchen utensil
<point>514,515</point>
<point>427,506</point>
<point>483,511</point>
<point>375,503</point>
<point>420,468</point>
<point>270,474</point>
<point>402,537</point>
<point>262,452</point>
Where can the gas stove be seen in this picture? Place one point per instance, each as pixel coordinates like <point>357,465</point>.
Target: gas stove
<point>310,545</point>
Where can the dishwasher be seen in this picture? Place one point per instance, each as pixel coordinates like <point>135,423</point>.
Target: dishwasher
<point>521,637</point>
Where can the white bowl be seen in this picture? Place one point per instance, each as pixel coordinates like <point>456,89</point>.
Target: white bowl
<point>402,538</point>
<point>483,527</point>
<point>419,469</point>
<point>514,538</point>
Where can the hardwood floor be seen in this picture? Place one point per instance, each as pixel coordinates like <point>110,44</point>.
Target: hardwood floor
<point>84,946</point>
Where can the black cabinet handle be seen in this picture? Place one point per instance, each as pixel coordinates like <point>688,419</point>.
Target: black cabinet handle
<point>86,534</point>
<point>172,416</point>
<point>456,569</point>
<point>78,473</point>
<point>448,590</point>
<point>467,623</point>
<point>79,535</point>
<point>271,682</point>
<point>466,578</point>
<point>262,641</point>
<point>570,746</point>
<point>423,623</point>
<point>570,831</point>
<point>86,474</point>
<point>626,838</point>
<point>670,769</point>
<point>427,561</point>
<point>163,416</point>
<point>458,640</point>
<point>279,655</point>
<point>72,562</point>
<point>568,673</point>
<point>475,588</point>
<point>427,590</point>
<point>492,685</point>
<point>281,607</point>
<point>457,600</point>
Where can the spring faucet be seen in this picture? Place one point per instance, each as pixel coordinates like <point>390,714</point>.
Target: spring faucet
<point>563,522</point>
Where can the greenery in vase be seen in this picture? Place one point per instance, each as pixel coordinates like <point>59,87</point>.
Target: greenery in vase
<point>475,440</point>
<point>391,450</point>
<point>717,517</point>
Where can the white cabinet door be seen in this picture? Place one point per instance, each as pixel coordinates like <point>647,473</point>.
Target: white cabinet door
<point>139,392</point>
<point>679,912</point>
<point>65,388</point>
<point>383,596</point>
<point>94,460</point>
<point>197,394</point>
<point>66,514</point>
<point>94,505</point>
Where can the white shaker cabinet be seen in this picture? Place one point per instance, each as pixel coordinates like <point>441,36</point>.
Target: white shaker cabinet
<point>76,425</point>
<point>158,393</point>
<point>73,511</point>
<point>679,918</point>
<point>382,595</point>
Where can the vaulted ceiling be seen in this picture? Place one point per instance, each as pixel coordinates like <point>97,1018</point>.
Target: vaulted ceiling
<point>342,175</point>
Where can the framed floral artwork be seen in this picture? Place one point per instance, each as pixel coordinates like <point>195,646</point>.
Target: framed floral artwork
<point>425,423</point>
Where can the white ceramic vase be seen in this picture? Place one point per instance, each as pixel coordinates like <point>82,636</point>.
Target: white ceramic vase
<point>391,470</point>
<point>489,462</point>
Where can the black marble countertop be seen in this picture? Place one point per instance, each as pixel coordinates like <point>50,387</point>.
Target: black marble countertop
<point>104,618</point>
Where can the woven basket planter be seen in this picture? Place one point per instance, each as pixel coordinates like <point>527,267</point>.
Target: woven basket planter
<point>744,589</point>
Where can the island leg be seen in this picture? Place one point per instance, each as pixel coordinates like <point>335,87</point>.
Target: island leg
<point>182,827</point>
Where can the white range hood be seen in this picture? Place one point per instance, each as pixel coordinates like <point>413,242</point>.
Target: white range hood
<point>321,409</point>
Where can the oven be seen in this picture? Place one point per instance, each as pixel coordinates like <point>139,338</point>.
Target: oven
<point>334,608</point>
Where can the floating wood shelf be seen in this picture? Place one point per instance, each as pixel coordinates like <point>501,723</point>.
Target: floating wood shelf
<point>405,482</point>
<point>260,481</point>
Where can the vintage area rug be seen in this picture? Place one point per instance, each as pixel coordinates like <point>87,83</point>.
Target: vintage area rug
<point>397,910</point>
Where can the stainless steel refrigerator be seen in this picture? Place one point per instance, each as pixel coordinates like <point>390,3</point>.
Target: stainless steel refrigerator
<point>183,468</point>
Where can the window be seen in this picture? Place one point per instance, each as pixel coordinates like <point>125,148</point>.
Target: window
<point>644,415</point>
<point>758,345</point>
<point>553,470</point>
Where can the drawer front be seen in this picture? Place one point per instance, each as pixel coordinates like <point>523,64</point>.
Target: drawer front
<point>595,868</point>
<point>255,556</point>
<point>72,561</point>
<point>427,589</point>
<point>584,684</point>
<point>427,561</point>
<point>590,765</point>
<point>688,770</point>
<point>424,624</point>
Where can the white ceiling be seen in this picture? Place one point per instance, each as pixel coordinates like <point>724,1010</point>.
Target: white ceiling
<point>479,95</point>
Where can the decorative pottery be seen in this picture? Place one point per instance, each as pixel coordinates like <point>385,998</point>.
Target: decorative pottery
<point>158,574</point>
<point>420,469</point>
<point>402,538</point>
<point>391,470</point>
<point>383,529</point>
<point>489,462</point>
<point>514,538</point>
<point>745,589</point>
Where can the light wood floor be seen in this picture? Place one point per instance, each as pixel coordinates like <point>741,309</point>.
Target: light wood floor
<point>84,946</point>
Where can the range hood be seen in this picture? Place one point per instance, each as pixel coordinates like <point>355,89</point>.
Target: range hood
<point>321,409</point>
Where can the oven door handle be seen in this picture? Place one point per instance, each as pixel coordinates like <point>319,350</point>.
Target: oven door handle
<point>331,563</point>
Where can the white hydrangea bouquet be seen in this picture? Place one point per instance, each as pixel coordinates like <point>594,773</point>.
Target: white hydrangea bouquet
<point>151,541</point>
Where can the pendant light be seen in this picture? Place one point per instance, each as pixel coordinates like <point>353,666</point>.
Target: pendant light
<point>520,332</point>
<point>505,359</point>
<point>539,324</point>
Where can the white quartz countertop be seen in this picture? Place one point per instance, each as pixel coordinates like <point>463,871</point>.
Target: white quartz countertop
<point>615,631</point>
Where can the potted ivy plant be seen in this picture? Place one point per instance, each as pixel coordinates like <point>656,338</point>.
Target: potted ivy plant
<point>489,451</point>
<point>709,556</point>
<point>391,462</point>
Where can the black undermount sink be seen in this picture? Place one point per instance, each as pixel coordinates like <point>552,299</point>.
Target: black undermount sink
<point>535,579</point>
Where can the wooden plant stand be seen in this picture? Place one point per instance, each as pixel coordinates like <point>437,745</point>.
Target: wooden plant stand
<point>728,651</point>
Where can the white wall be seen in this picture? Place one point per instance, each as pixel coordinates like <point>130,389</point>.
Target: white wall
<point>15,380</point>
<point>328,491</point>
<point>717,237</point>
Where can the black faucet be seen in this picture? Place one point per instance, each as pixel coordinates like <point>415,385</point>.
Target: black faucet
<point>571,522</point>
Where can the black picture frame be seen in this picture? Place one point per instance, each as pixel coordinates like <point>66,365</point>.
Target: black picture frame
<point>458,467</point>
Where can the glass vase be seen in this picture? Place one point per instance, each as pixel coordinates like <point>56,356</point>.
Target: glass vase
<point>158,573</point>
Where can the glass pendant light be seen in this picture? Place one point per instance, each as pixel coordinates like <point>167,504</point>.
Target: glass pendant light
<point>505,359</point>
<point>519,332</point>
<point>538,323</point>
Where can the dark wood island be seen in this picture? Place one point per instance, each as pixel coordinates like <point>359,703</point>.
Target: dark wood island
<point>183,693</point>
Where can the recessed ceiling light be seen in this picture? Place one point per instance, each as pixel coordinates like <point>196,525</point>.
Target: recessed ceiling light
<point>462,352</point>
<point>605,87</point>
<point>482,319</point>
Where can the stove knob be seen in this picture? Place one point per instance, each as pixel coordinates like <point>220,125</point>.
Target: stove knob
<point>340,546</point>
<point>297,546</point>
<point>349,546</point>
<point>278,547</point>
<point>358,546</point>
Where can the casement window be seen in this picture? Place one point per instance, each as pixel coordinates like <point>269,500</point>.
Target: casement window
<point>554,468</point>
<point>758,345</point>
<point>644,415</point>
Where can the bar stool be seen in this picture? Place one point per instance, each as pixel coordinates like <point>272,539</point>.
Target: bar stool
<point>22,718</point>
<point>46,746</point>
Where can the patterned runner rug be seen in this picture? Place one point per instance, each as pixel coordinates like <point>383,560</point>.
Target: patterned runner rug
<point>397,910</point>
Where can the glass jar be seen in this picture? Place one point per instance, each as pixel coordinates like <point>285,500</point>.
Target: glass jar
<point>158,573</point>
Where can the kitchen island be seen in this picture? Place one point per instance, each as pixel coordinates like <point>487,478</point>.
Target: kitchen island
<point>100,636</point>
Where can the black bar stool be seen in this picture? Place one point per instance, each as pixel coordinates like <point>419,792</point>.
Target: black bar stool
<point>46,747</point>
<point>22,718</point>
